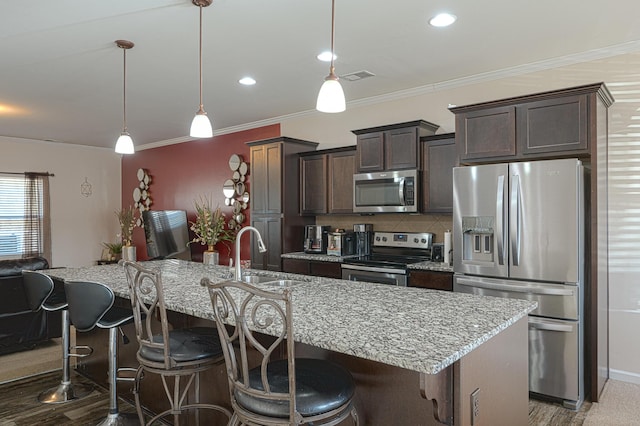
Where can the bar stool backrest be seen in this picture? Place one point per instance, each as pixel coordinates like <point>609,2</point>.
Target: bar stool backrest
<point>147,301</point>
<point>239,309</point>
<point>38,287</point>
<point>88,302</point>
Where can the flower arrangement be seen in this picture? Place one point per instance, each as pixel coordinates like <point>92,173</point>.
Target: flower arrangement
<point>127,219</point>
<point>209,226</point>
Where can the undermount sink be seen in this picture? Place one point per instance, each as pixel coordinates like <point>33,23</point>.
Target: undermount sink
<point>281,283</point>
<point>270,281</point>
<point>257,279</point>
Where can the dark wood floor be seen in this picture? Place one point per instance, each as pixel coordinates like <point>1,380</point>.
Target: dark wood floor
<point>19,406</point>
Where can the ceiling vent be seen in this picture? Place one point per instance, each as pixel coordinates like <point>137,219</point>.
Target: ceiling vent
<point>358,75</point>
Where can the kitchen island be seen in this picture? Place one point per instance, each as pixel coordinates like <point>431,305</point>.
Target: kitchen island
<point>401,344</point>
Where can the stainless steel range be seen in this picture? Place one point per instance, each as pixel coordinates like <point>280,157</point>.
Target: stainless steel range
<point>391,252</point>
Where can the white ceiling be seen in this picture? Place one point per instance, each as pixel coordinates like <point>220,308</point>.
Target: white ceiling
<point>61,73</point>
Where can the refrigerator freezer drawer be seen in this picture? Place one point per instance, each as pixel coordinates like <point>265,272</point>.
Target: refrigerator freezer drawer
<point>554,358</point>
<point>554,300</point>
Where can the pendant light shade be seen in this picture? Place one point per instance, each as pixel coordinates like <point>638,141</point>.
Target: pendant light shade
<point>201,126</point>
<point>331,96</point>
<point>124,144</point>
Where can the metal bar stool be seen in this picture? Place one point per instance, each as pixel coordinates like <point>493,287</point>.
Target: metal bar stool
<point>289,391</point>
<point>172,354</point>
<point>90,306</point>
<point>39,289</point>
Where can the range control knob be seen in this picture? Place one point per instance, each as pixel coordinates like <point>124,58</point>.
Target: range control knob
<point>377,238</point>
<point>384,239</point>
<point>415,240</point>
<point>424,241</point>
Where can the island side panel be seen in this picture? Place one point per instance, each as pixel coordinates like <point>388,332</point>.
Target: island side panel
<point>385,395</point>
<point>499,369</point>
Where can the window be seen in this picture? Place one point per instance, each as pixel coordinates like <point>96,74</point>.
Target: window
<point>24,216</point>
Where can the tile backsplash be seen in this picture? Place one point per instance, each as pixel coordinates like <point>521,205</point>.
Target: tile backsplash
<point>436,224</point>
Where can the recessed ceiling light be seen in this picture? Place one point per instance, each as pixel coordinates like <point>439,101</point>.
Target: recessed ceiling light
<point>247,81</point>
<point>326,56</point>
<point>443,20</point>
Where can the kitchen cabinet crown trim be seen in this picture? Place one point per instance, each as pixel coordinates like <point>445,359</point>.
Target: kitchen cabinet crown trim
<point>283,139</point>
<point>416,123</point>
<point>600,88</point>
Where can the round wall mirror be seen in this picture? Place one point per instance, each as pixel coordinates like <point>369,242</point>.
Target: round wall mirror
<point>234,162</point>
<point>228,189</point>
<point>243,168</point>
<point>239,188</point>
<point>245,197</point>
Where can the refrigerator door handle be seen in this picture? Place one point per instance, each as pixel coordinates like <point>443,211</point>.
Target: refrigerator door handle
<point>500,218</point>
<point>515,288</point>
<point>550,327</point>
<point>517,218</point>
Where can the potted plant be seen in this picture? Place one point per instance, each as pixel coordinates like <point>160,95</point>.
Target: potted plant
<point>114,251</point>
<point>127,220</point>
<point>209,229</point>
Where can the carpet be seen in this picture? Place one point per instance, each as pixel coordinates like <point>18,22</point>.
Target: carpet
<point>619,405</point>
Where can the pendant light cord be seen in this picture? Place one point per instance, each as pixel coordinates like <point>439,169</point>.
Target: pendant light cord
<point>124,93</point>
<point>200,59</point>
<point>333,31</point>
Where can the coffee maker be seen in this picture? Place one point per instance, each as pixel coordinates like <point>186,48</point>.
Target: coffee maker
<point>315,239</point>
<point>364,238</point>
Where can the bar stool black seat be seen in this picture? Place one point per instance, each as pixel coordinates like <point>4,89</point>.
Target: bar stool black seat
<point>41,294</point>
<point>172,354</point>
<point>289,391</point>
<point>90,306</point>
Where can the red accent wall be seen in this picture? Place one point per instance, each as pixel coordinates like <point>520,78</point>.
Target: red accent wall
<point>183,172</point>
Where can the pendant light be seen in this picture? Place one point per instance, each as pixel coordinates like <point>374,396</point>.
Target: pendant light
<point>201,126</point>
<point>331,96</point>
<point>124,144</point>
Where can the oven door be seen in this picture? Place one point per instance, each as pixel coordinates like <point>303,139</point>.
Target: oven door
<point>373,274</point>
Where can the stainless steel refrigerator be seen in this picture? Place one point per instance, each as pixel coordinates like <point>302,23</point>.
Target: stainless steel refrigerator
<point>518,231</point>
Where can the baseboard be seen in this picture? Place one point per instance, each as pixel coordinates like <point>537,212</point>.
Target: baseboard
<point>624,376</point>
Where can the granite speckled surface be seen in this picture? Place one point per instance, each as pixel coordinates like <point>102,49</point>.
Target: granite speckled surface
<point>417,329</point>
<point>300,255</point>
<point>431,266</point>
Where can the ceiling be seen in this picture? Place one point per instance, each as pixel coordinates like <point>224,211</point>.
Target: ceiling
<point>61,73</point>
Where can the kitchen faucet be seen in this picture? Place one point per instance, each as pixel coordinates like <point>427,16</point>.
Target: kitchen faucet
<point>261,247</point>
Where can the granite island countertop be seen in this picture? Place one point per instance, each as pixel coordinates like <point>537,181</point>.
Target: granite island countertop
<point>412,328</point>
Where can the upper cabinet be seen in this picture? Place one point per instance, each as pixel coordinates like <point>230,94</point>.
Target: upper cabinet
<point>392,147</point>
<point>439,157</point>
<point>545,125</point>
<point>326,181</point>
<point>275,191</point>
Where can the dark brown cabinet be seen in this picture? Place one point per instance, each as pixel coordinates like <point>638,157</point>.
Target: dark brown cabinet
<point>326,181</point>
<point>435,280</point>
<point>391,147</point>
<point>275,192</point>
<point>547,125</point>
<point>573,123</point>
<point>312,267</point>
<point>439,157</point>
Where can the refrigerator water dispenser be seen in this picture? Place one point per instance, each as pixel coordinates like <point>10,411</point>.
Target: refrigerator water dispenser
<point>477,239</point>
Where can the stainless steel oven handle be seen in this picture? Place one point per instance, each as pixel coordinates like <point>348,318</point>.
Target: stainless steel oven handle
<point>550,327</point>
<point>373,269</point>
<point>515,289</point>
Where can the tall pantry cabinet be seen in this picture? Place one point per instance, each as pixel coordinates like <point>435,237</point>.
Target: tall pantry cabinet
<point>275,199</point>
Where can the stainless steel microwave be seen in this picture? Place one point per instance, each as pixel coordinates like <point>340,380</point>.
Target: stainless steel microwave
<point>386,192</point>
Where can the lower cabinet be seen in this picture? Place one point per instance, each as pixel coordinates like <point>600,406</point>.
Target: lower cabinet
<point>270,228</point>
<point>312,267</point>
<point>435,280</point>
